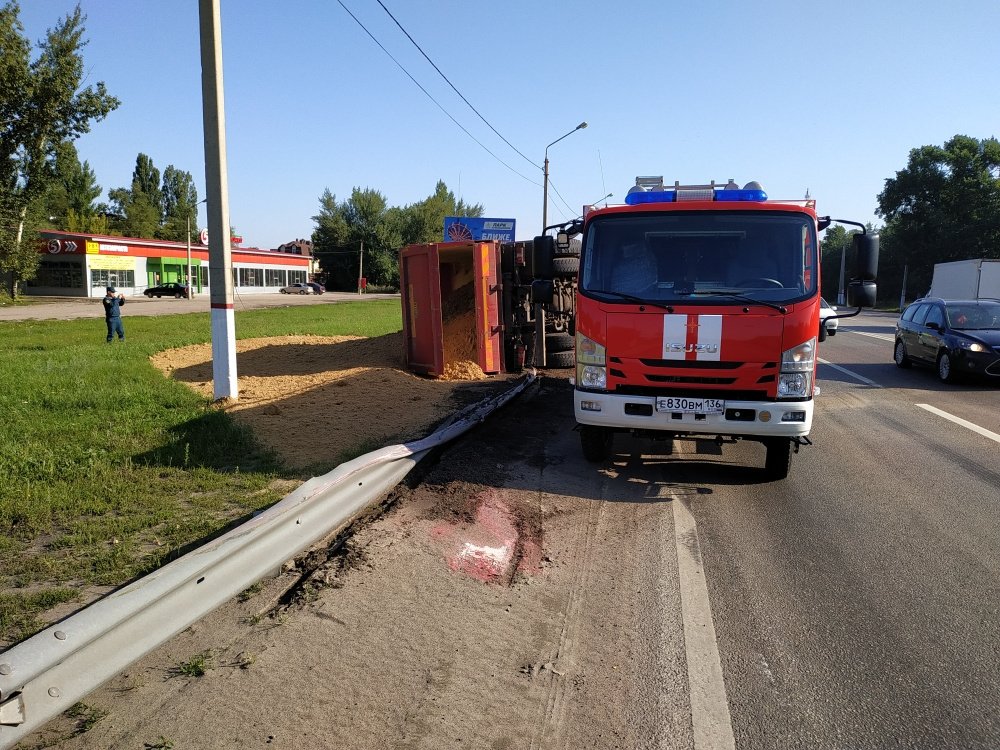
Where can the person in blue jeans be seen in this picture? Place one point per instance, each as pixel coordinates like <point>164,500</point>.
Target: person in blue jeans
<point>113,314</point>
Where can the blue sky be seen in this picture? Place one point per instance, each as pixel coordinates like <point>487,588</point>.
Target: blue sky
<point>823,96</point>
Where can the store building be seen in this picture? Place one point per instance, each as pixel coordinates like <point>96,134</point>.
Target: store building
<point>83,265</point>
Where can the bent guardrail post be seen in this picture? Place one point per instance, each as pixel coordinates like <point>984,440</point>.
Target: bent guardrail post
<point>49,672</point>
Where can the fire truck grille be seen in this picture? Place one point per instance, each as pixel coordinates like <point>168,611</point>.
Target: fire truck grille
<point>687,379</point>
<point>686,390</point>
<point>678,364</point>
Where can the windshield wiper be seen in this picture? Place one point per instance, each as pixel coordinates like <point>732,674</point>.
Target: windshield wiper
<point>735,295</point>
<point>631,298</point>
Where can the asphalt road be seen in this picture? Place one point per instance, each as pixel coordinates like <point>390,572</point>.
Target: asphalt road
<point>855,603</point>
<point>659,600</point>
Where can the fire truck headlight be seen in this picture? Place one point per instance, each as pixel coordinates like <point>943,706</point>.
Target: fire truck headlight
<point>591,376</point>
<point>801,358</point>
<point>588,351</point>
<point>794,384</point>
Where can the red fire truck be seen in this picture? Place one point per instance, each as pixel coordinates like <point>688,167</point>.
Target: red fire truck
<point>697,316</point>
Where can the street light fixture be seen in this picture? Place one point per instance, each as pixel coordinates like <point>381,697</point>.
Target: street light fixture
<point>190,294</point>
<point>545,189</point>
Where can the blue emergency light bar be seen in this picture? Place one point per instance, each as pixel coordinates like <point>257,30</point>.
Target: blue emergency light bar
<point>670,196</point>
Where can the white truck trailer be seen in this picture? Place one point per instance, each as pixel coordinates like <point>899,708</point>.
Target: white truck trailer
<point>977,278</point>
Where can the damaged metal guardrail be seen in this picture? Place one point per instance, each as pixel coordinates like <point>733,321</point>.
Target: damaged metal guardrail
<point>49,672</point>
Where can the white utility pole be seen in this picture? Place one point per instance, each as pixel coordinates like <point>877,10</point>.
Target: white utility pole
<point>220,261</point>
<point>361,265</point>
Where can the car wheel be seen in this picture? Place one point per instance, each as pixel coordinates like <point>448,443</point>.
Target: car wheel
<point>302,291</point>
<point>159,296</point>
<point>283,291</point>
<point>900,356</point>
<point>177,295</point>
<point>596,442</point>
<point>946,373</point>
<point>148,295</point>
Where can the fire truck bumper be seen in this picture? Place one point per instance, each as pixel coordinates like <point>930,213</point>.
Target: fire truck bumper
<point>756,418</point>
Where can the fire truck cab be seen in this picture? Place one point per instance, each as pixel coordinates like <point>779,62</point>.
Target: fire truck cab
<point>697,317</point>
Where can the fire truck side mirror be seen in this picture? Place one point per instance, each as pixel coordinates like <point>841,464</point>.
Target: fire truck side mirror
<point>543,250</point>
<point>862,289</point>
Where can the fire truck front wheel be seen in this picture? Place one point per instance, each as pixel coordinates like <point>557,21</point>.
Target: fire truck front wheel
<point>596,442</point>
<point>778,458</point>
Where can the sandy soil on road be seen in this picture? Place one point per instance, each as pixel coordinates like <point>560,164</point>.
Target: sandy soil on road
<point>515,598</point>
<point>319,399</point>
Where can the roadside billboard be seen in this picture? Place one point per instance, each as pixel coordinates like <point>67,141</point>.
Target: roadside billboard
<point>458,228</point>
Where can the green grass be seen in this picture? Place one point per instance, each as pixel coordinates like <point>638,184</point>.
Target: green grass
<point>107,468</point>
<point>196,666</point>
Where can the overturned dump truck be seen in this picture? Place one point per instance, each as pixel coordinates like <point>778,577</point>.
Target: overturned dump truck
<point>473,308</point>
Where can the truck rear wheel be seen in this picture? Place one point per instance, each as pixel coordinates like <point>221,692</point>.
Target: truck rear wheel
<point>596,442</point>
<point>565,265</point>
<point>778,458</point>
<point>560,360</point>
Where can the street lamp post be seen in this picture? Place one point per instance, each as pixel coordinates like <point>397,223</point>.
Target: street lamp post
<point>545,188</point>
<point>190,293</point>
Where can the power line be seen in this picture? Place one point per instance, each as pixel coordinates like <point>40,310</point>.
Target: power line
<point>453,86</point>
<point>400,66</point>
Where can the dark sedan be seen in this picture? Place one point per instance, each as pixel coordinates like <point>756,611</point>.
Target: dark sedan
<point>957,337</point>
<point>169,289</point>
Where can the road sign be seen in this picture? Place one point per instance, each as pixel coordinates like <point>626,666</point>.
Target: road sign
<point>457,228</point>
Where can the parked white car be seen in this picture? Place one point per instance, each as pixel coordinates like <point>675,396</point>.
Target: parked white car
<point>296,289</point>
<point>827,325</point>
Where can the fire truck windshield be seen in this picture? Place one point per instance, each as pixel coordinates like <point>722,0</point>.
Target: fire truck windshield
<point>695,256</point>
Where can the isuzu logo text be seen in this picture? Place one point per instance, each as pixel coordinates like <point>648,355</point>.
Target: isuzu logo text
<point>695,348</point>
<point>692,337</point>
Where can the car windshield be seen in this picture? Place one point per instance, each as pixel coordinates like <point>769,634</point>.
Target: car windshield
<point>974,316</point>
<point>685,256</point>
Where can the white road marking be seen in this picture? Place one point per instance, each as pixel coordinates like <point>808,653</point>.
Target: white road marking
<point>879,336</point>
<point>710,719</point>
<point>965,423</point>
<point>854,375</point>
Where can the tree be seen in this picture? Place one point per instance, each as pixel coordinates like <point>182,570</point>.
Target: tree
<point>42,106</point>
<point>424,221</point>
<point>944,205</point>
<point>71,195</point>
<point>141,206</point>
<point>366,219</point>
<point>180,204</point>
<point>344,229</point>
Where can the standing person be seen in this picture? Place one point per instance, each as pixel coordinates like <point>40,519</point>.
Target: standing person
<point>113,314</point>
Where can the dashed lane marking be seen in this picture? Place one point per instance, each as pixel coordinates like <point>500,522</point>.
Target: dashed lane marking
<point>879,336</point>
<point>854,375</point>
<point>963,422</point>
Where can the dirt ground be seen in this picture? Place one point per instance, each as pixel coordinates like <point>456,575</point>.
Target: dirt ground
<point>322,399</point>
<point>515,597</point>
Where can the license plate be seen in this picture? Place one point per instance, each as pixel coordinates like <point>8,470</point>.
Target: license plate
<point>683,405</point>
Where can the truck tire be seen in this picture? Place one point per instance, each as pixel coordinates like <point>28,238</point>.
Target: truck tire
<point>559,342</point>
<point>565,265</point>
<point>778,458</point>
<point>596,442</point>
<point>560,360</point>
